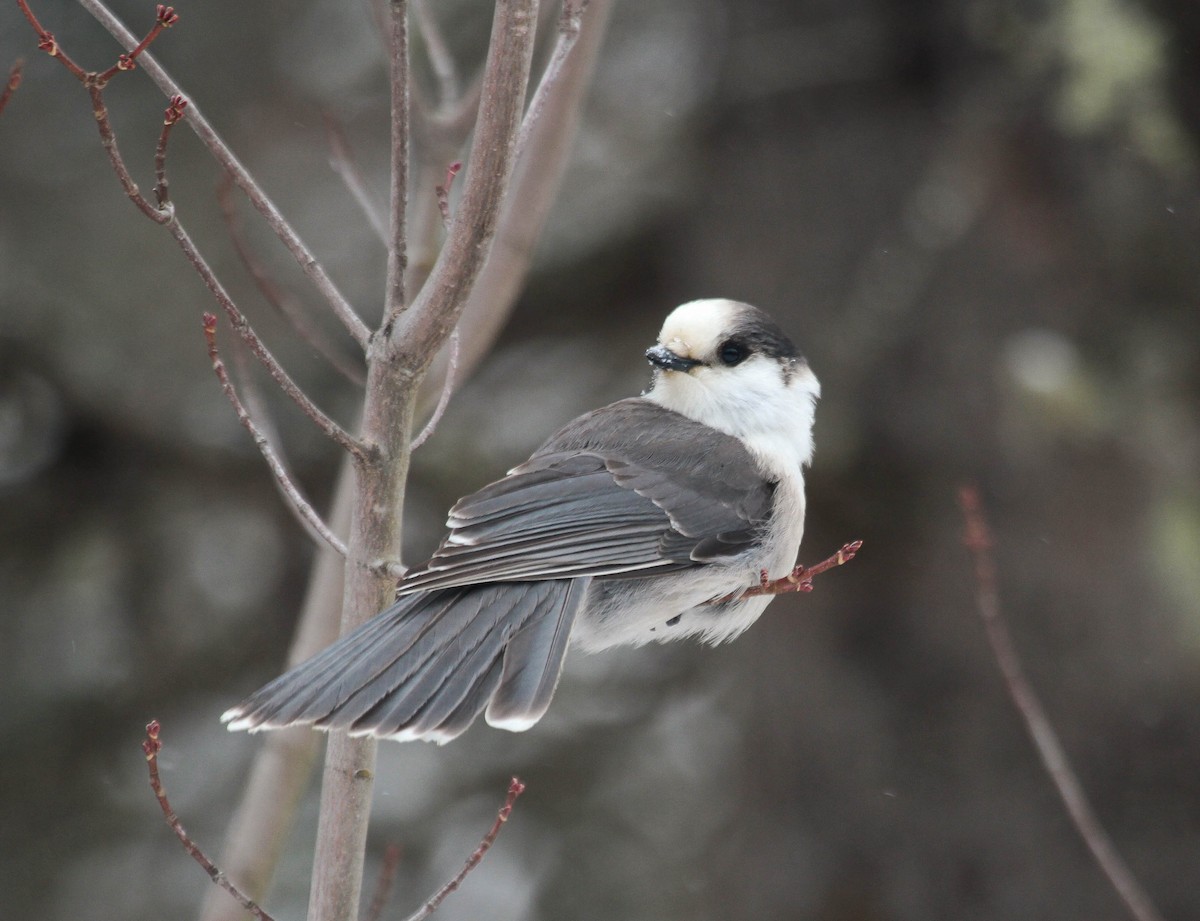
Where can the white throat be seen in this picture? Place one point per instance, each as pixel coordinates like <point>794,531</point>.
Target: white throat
<point>751,402</point>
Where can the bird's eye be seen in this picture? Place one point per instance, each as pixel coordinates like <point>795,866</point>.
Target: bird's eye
<point>732,352</point>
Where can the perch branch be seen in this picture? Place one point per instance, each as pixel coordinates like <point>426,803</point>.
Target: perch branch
<point>299,505</point>
<point>978,540</point>
<point>151,746</point>
<point>799,579</point>
<point>515,789</point>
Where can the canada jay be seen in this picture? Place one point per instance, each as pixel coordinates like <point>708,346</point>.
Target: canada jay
<point>638,522</point>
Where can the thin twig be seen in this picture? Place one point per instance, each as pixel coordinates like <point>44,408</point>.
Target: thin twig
<point>174,112</point>
<point>275,294</point>
<point>300,506</point>
<point>798,580</point>
<point>223,155</point>
<point>384,884</point>
<point>258,348</point>
<point>444,399</point>
<point>109,141</point>
<point>341,158</point>
<point>397,262</point>
<point>151,746</point>
<point>978,540</point>
<point>165,17</point>
<point>515,789</point>
<point>14,81</point>
<point>48,44</point>
<point>440,58</point>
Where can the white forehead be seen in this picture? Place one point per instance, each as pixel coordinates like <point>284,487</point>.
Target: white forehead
<point>697,326</point>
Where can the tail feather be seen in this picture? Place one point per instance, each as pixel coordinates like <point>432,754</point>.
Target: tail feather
<point>471,637</point>
<point>429,665</point>
<point>533,661</point>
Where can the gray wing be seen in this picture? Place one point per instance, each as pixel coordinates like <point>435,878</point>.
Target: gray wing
<point>630,488</point>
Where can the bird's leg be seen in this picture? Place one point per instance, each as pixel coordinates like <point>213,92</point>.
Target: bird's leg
<point>798,580</point>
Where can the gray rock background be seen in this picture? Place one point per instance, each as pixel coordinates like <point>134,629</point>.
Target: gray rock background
<point>980,222</point>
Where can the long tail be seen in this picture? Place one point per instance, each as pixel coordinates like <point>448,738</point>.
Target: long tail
<point>430,664</point>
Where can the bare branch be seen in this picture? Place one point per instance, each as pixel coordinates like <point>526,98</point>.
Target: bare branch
<point>304,511</point>
<point>421,330</point>
<point>447,392</point>
<point>164,19</point>
<point>109,140</point>
<point>515,789</point>
<point>221,152</point>
<point>341,158</point>
<point>14,81</point>
<point>397,264</point>
<point>978,540</point>
<point>275,294</point>
<point>171,117</point>
<point>151,746</point>
<point>48,44</point>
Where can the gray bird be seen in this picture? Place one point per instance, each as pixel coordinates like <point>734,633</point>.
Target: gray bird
<point>633,524</point>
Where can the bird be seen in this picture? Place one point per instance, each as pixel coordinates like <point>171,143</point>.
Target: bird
<point>642,521</point>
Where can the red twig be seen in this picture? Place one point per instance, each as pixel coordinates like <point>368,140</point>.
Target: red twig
<point>304,511</point>
<point>174,112</point>
<point>275,294</point>
<point>165,17</point>
<point>47,43</point>
<point>151,746</point>
<point>515,789</point>
<point>444,398</point>
<point>978,540</point>
<point>14,81</point>
<point>798,580</point>
<point>383,886</point>
<point>443,192</point>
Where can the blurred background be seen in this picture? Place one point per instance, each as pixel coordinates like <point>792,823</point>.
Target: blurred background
<point>978,220</point>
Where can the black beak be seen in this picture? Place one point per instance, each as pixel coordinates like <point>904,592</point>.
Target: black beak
<point>664,359</point>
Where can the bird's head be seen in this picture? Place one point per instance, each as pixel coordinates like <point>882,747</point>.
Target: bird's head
<point>728,365</point>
